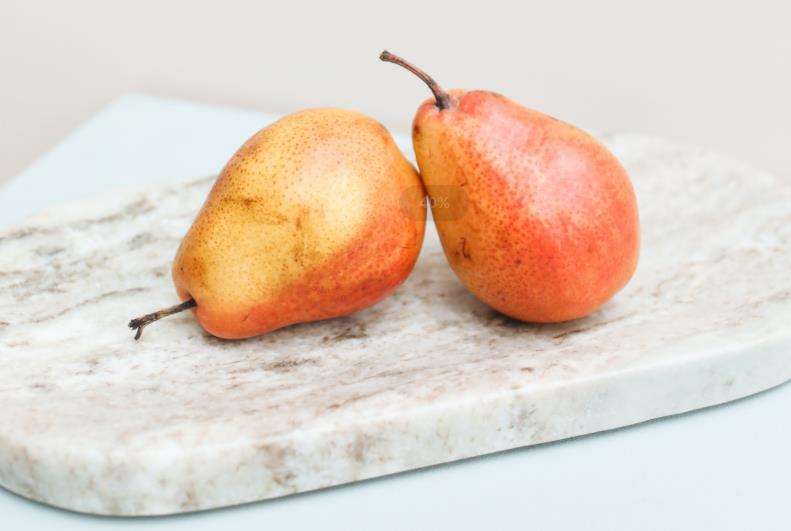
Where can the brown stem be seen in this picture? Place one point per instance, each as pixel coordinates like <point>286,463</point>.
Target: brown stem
<point>442,97</point>
<point>141,322</point>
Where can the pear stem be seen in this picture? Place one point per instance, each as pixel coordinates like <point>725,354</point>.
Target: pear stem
<point>141,322</point>
<point>442,97</point>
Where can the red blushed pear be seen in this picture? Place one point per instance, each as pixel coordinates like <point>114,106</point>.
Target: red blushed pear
<point>316,216</point>
<point>536,217</point>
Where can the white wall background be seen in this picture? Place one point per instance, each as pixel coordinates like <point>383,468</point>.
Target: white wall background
<point>711,72</point>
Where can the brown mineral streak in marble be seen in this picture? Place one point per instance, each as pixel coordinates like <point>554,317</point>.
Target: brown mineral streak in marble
<point>94,421</point>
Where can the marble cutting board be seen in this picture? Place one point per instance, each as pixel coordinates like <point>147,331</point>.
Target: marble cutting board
<point>180,421</point>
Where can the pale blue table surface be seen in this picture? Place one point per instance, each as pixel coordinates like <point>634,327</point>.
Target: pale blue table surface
<point>727,467</point>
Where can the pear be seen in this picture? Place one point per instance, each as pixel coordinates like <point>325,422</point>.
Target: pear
<point>536,217</point>
<point>316,216</point>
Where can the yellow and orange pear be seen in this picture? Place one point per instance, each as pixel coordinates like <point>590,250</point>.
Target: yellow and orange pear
<point>316,216</point>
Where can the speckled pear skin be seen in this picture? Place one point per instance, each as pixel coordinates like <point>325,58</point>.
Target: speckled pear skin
<point>316,216</point>
<point>542,221</point>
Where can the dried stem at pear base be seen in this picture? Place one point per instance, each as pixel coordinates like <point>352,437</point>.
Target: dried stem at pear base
<point>141,322</point>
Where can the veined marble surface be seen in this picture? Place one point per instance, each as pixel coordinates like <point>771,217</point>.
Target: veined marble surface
<point>180,421</point>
